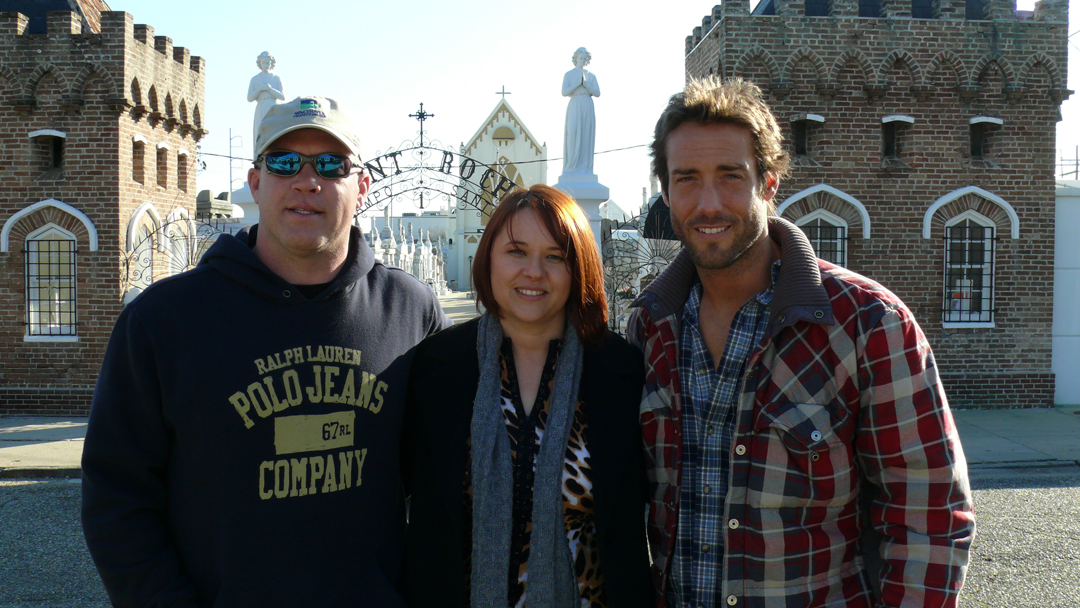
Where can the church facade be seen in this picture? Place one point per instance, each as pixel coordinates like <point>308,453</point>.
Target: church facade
<point>516,158</point>
<point>922,135</point>
<point>99,120</point>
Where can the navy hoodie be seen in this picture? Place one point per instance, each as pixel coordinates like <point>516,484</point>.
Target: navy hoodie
<point>243,439</point>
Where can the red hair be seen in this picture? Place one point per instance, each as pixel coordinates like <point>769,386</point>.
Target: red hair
<point>567,224</point>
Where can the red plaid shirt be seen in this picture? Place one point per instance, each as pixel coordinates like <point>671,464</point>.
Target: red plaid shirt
<point>843,442</point>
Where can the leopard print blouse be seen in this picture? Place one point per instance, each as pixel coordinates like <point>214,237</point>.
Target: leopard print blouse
<point>525,433</point>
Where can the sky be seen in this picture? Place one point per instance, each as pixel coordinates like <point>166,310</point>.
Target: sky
<point>385,58</point>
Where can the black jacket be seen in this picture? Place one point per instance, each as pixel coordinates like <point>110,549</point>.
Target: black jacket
<point>255,462</point>
<point>442,387</point>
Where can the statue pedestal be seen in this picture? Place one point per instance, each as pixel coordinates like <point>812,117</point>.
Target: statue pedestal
<point>583,186</point>
<point>242,198</point>
<point>589,194</point>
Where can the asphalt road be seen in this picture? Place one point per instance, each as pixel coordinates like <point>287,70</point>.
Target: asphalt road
<point>1027,553</point>
<point>1027,544</point>
<point>43,557</point>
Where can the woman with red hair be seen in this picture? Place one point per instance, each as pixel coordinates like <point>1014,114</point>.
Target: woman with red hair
<point>521,448</point>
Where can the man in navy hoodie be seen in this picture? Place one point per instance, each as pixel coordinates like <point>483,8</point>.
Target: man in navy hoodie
<point>254,462</point>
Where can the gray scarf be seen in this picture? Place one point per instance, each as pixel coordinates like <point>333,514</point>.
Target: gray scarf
<point>551,575</point>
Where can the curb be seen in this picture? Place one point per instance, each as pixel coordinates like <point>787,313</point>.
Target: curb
<point>41,473</point>
<point>1023,464</point>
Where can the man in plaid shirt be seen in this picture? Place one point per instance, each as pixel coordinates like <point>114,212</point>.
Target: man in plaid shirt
<point>800,447</point>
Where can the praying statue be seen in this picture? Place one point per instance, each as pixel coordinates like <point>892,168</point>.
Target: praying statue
<point>265,88</point>
<point>579,139</point>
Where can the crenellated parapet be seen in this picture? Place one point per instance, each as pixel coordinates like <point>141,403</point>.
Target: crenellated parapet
<point>1023,53</point>
<point>121,58</point>
<point>91,102</point>
<point>1052,10</point>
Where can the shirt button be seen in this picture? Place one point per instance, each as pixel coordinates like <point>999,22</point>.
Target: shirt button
<point>707,490</point>
<point>287,293</point>
<point>733,524</point>
<point>740,449</point>
<point>703,371</point>
<point>816,435</point>
<point>710,429</point>
<point>732,600</point>
<point>814,456</point>
<point>705,548</point>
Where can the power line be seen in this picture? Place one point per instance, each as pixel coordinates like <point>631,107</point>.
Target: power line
<point>527,162</point>
<point>524,162</point>
<point>228,156</point>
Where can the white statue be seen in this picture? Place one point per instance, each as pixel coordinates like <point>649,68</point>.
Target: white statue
<point>265,88</point>
<point>579,139</point>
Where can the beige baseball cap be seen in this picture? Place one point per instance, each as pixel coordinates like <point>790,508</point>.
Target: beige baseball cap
<point>310,112</point>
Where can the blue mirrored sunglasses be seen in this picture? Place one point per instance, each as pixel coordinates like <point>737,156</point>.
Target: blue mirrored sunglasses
<point>327,165</point>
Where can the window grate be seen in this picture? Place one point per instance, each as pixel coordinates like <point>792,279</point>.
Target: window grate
<point>829,240</point>
<point>50,287</point>
<point>969,273</point>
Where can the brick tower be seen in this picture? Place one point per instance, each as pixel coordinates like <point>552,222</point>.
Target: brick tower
<point>99,121</point>
<point>922,135</point>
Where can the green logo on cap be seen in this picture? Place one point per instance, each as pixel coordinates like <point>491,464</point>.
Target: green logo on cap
<point>309,104</point>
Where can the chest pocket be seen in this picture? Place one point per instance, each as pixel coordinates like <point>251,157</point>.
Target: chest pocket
<point>804,456</point>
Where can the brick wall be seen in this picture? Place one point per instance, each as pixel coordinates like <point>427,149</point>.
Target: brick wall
<point>102,91</point>
<point>45,401</point>
<point>941,73</point>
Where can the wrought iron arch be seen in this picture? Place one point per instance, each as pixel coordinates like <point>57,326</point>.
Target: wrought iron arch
<point>418,172</point>
<point>635,252</point>
<point>176,245</point>
<point>425,172</point>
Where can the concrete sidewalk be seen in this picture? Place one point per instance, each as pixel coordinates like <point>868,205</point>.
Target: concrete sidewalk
<point>52,447</point>
<point>1021,435</point>
<point>41,447</point>
<point>460,306</point>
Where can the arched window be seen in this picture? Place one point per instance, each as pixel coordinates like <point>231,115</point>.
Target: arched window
<point>50,284</point>
<point>969,270</point>
<point>828,217</point>
<point>828,235</point>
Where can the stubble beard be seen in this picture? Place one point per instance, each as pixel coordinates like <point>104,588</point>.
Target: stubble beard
<point>715,256</point>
